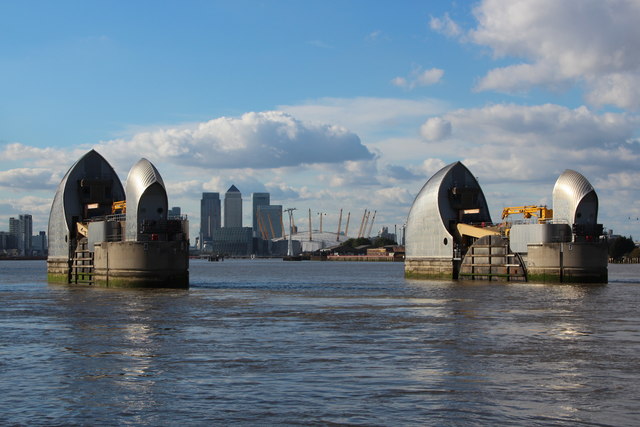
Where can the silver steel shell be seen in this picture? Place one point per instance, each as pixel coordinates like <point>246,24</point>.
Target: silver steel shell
<point>146,197</point>
<point>429,231</point>
<point>574,199</point>
<point>67,204</point>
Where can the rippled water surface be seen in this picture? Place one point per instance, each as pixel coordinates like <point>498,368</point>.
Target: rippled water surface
<point>272,342</point>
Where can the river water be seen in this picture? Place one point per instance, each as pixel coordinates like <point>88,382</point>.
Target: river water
<point>318,343</point>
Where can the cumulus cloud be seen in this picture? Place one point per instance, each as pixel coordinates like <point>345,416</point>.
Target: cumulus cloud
<point>36,156</point>
<point>182,188</point>
<point>39,207</point>
<point>29,179</point>
<point>393,196</point>
<point>255,140</point>
<point>429,167</point>
<point>350,173</point>
<point>400,173</point>
<point>512,142</point>
<point>546,124</point>
<point>435,129</point>
<point>618,180</point>
<point>445,25</point>
<point>282,191</point>
<point>419,77</point>
<point>518,152</point>
<point>365,114</point>
<point>593,42</point>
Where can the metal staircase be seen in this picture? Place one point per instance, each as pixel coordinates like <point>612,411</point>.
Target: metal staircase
<point>489,258</point>
<point>82,264</point>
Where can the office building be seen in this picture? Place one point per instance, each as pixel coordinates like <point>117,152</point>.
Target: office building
<point>210,216</point>
<point>22,228</point>
<point>8,243</point>
<point>232,241</point>
<point>233,207</point>
<point>39,244</point>
<point>258,199</point>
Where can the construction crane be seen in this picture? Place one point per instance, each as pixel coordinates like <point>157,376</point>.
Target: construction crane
<point>363,224</point>
<point>120,205</point>
<point>542,212</point>
<point>346,229</point>
<point>371,225</point>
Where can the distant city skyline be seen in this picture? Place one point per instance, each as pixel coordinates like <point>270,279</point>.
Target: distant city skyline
<point>329,105</point>
<point>19,239</point>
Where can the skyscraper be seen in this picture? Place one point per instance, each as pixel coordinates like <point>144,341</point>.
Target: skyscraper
<point>258,199</point>
<point>39,243</point>
<point>22,228</point>
<point>26,231</point>
<point>233,207</point>
<point>209,216</point>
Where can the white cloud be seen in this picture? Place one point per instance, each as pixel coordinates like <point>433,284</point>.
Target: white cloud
<point>366,115</point>
<point>621,89</point>
<point>400,173</point>
<point>429,167</point>
<point>518,152</point>
<point>183,188</point>
<point>38,207</point>
<point>619,180</point>
<point>594,42</point>
<point>256,140</point>
<point>445,25</point>
<point>419,77</point>
<point>39,157</point>
<point>400,82</point>
<point>350,173</point>
<point>376,35</point>
<point>281,191</point>
<point>511,142</point>
<point>29,179</point>
<point>393,196</point>
<point>435,129</point>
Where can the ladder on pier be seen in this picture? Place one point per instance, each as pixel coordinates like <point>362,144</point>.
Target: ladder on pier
<point>82,264</point>
<point>489,258</point>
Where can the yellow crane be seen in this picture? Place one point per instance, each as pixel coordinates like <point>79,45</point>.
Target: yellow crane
<point>542,212</point>
<point>120,205</point>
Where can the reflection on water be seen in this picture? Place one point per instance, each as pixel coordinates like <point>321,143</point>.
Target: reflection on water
<point>267,342</point>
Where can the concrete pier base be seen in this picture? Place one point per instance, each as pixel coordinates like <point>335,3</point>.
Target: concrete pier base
<point>429,268</point>
<point>151,264</point>
<point>58,269</point>
<point>568,262</point>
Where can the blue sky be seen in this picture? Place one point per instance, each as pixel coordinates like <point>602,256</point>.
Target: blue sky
<point>326,105</point>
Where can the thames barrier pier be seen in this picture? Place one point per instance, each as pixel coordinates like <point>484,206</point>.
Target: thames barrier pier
<point>102,234</point>
<point>450,235</point>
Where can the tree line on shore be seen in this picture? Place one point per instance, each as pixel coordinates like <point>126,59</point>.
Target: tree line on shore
<point>623,248</point>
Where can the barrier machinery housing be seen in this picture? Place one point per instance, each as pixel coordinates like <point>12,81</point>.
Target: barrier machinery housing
<point>90,244</point>
<point>450,235</point>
